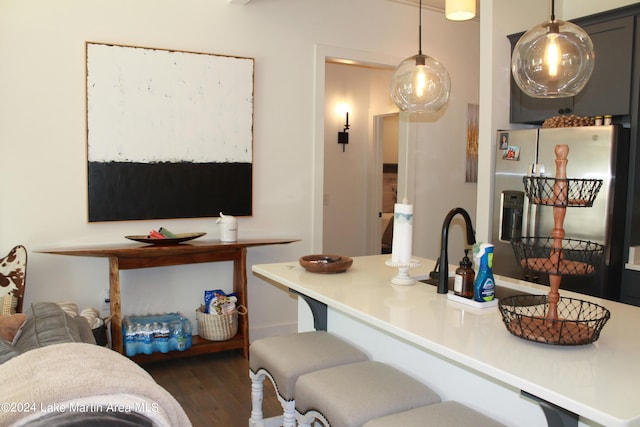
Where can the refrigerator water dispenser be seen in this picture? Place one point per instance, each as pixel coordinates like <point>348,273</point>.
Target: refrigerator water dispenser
<point>511,215</point>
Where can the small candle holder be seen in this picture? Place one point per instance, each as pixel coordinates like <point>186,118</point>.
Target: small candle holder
<point>403,278</point>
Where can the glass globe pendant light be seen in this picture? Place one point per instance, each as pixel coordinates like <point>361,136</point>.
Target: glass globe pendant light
<point>420,84</point>
<point>554,59</point>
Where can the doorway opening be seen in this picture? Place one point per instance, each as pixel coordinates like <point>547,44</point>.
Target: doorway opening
<point>353,174</point>
<point>335,223</point>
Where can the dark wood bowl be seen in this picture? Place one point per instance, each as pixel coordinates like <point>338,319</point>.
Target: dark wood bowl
<point>325,264</point>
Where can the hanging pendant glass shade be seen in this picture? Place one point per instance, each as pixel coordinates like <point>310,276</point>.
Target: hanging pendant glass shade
<point>420,84</point>
<point>554,59</point>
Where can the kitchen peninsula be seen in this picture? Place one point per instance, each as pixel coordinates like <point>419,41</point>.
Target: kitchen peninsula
<point>466,353</point>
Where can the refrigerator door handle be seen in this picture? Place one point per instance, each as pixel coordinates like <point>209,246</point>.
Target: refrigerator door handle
<point>530,212</point>
<point>525,217</point>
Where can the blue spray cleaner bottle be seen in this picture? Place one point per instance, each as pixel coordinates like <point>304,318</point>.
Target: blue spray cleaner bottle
<point>484,286</point>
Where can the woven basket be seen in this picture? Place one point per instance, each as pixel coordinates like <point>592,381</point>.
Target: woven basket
<point>219,327</point>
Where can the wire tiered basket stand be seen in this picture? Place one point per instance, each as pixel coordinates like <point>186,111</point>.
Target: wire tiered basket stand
<point>551,319</point>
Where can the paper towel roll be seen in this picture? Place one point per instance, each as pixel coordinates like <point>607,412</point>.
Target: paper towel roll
<point>402,233</point>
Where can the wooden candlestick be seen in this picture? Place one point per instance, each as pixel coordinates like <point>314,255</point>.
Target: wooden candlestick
<point>560,197</point>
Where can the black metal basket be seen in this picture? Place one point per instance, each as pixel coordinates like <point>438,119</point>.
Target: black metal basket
<point>580,193</point>
<point>576,257</point>
<point>579,322</point>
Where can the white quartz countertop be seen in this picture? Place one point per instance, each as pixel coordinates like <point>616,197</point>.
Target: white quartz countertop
<point>599,381</point>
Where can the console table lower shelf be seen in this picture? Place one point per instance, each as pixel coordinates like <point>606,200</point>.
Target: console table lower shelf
<point>199,346</point>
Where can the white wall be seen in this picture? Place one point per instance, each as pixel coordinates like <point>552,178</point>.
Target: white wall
<point>390,133</point>
<point>440,149</point>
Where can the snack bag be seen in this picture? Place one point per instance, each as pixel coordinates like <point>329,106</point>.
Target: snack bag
<point>218,302</point>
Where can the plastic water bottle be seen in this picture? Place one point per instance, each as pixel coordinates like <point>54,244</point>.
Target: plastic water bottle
<point>177,333</point>
<point>163,337</point>
<point>130,345</point>
<point>139,328</point>
<point>147,339</point>
<point>187,332</point>
<point>155,335</point>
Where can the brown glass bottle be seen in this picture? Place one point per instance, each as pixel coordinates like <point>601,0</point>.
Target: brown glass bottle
<point>463,281</point>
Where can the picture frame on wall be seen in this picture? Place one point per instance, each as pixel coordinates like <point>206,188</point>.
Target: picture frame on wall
<point>471,160</point>
<point>169,133</point>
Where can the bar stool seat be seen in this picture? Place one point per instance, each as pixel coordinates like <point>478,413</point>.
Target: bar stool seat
<point>351,395</point>
<point>445,414</point>
<point>283,359</point>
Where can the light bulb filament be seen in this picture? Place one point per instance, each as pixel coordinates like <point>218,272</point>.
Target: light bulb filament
<point>552,54</point>
<point>421,81</point>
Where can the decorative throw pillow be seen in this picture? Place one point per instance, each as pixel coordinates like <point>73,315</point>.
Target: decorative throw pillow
<point>47,324</point>
<point>8,304</point>
<point>10,325</point>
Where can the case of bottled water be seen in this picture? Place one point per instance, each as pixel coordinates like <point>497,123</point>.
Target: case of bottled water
<point>156,333</point>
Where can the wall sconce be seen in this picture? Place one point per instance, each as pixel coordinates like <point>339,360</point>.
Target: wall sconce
<point>343,137</point>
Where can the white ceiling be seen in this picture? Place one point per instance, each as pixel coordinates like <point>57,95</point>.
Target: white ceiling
<point>435,4</point>
<point>427,4</point>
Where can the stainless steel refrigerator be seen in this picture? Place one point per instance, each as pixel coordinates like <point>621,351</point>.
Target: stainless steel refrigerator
<point>595,152</point>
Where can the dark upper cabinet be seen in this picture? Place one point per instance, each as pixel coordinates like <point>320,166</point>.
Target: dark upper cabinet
<point>630,291</point>
<point>608,90</point>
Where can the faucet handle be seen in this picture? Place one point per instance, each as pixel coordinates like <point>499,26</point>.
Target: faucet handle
<point>436,270</point>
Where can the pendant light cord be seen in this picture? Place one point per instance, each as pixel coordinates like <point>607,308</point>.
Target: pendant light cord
<point>420,31</point>
<point>553,10</point>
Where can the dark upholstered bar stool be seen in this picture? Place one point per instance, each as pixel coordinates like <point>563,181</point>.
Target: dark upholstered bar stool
<point>285,358</point>
<point>445,414</point>
<point>350,395</point>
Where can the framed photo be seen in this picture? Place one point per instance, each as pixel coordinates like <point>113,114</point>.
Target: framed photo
<point>511,153</point>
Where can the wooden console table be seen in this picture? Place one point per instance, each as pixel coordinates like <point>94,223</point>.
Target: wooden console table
<point>133,256</point>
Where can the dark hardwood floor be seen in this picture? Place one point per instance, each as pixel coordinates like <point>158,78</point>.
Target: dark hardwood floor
<point>213,389</point>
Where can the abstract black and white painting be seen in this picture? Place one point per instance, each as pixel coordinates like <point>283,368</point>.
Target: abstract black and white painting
<point>169,133</point>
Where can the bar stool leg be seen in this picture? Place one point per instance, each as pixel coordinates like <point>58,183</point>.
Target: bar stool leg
<point>288,418</point>
<point>289,413</point>
<point>311,419</point>
<point>257,394</point>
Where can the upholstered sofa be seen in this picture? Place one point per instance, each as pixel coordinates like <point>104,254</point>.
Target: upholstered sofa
<point>53,373</point>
